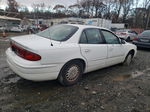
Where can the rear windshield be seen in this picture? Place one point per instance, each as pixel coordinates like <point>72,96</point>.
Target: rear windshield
<point>59,32</point>
<point>145,33</point>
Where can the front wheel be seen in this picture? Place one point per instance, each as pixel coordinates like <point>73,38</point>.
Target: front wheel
<point>128,59</point>
<point>71,73</point>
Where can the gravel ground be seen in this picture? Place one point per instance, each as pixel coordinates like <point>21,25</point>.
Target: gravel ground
<point>113,89</point>
<point>11,34</point>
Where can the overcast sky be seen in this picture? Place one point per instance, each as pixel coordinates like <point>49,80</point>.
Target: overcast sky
<point>47,2</point>
<point>52,3</point>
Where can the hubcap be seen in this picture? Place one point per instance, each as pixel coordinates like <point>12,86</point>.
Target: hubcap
<point>72,73</point>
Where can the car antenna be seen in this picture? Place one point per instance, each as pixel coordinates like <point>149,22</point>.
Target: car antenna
<point>50,36</point>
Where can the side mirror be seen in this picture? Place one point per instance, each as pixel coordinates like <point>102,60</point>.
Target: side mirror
<point>122,41</point>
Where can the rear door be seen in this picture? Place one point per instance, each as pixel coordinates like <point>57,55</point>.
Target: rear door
<point>115,48</point>
<point>93,48</point>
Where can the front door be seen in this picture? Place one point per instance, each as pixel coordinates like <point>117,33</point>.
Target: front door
<point>115,48</point>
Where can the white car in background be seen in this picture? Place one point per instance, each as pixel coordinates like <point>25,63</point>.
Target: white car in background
<point>126,34</point>
<point>2,28</point>
<point>65,52</point>
<point>16,29</point>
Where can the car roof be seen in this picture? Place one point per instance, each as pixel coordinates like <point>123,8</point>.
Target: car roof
<point>87,26</point>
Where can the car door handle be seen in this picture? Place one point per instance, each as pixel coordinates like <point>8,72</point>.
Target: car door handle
<point>87,50</point>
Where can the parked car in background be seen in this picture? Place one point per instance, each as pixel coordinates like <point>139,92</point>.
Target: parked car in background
<point>114,29</point>
<point>126,34</point>
<point>34,26</point>
<point>2,28</point>
<point>33,29</point>
<point>43,27</point>
<point>143,39</point>
<point>63,22</point>
<point>65,52</point>
<point>17,29</point>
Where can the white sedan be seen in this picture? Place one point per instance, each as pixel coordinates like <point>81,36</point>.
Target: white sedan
<point>126,34</point>
<point>65,52</point>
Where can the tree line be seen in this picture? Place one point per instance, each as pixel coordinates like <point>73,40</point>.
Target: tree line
<point>119,11</point>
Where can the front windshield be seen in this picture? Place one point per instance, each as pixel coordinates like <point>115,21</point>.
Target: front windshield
<point>59,32</point>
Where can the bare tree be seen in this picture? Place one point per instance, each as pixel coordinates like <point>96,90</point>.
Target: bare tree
<point>49,8</point>
<point>126,5</point>
<point>74,10</point>
<point>12,6</point>
<point>42,7</point>
<point>148,17</point>
<point>23,8</point>
<point>93,7</point>
<point>146,5</point>
<point>99,7</point>
<point>36,7</point>
<point>135,12</point>
<point>39,7</point>
<point>59,8</point>
<point>86,5</point>
<point>118,6</point>
<point>108,9</point>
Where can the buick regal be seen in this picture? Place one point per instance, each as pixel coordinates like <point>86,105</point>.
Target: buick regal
<point>66,52</point>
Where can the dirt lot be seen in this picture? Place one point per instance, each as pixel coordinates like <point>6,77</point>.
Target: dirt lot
<point>11,34</point>
<point>114,89</point>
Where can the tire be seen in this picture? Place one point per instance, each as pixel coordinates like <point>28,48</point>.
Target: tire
<point>128,59</point>
<point>71,73</point>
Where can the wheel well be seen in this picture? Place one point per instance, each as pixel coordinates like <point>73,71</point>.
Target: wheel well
<point>78,59</point>
<point>132,52</point>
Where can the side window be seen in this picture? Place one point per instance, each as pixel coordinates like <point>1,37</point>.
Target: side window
<point>110,37</point>
<point>83,38</point>
<point>93,36</point>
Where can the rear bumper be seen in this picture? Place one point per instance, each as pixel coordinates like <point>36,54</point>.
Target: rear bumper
<point>32,72</point>
<point>141,44</point>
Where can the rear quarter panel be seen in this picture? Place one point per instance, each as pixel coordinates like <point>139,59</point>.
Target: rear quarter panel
<point>61,54</point>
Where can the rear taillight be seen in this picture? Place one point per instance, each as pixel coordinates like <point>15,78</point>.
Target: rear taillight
<point>25,53</point>
<point>135,38</point>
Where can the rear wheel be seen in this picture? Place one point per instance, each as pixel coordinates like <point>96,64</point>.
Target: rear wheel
<point>71,73</point>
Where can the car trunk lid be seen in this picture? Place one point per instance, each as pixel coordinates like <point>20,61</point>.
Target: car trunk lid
<point>32,47</point>
<point>34,42</point>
